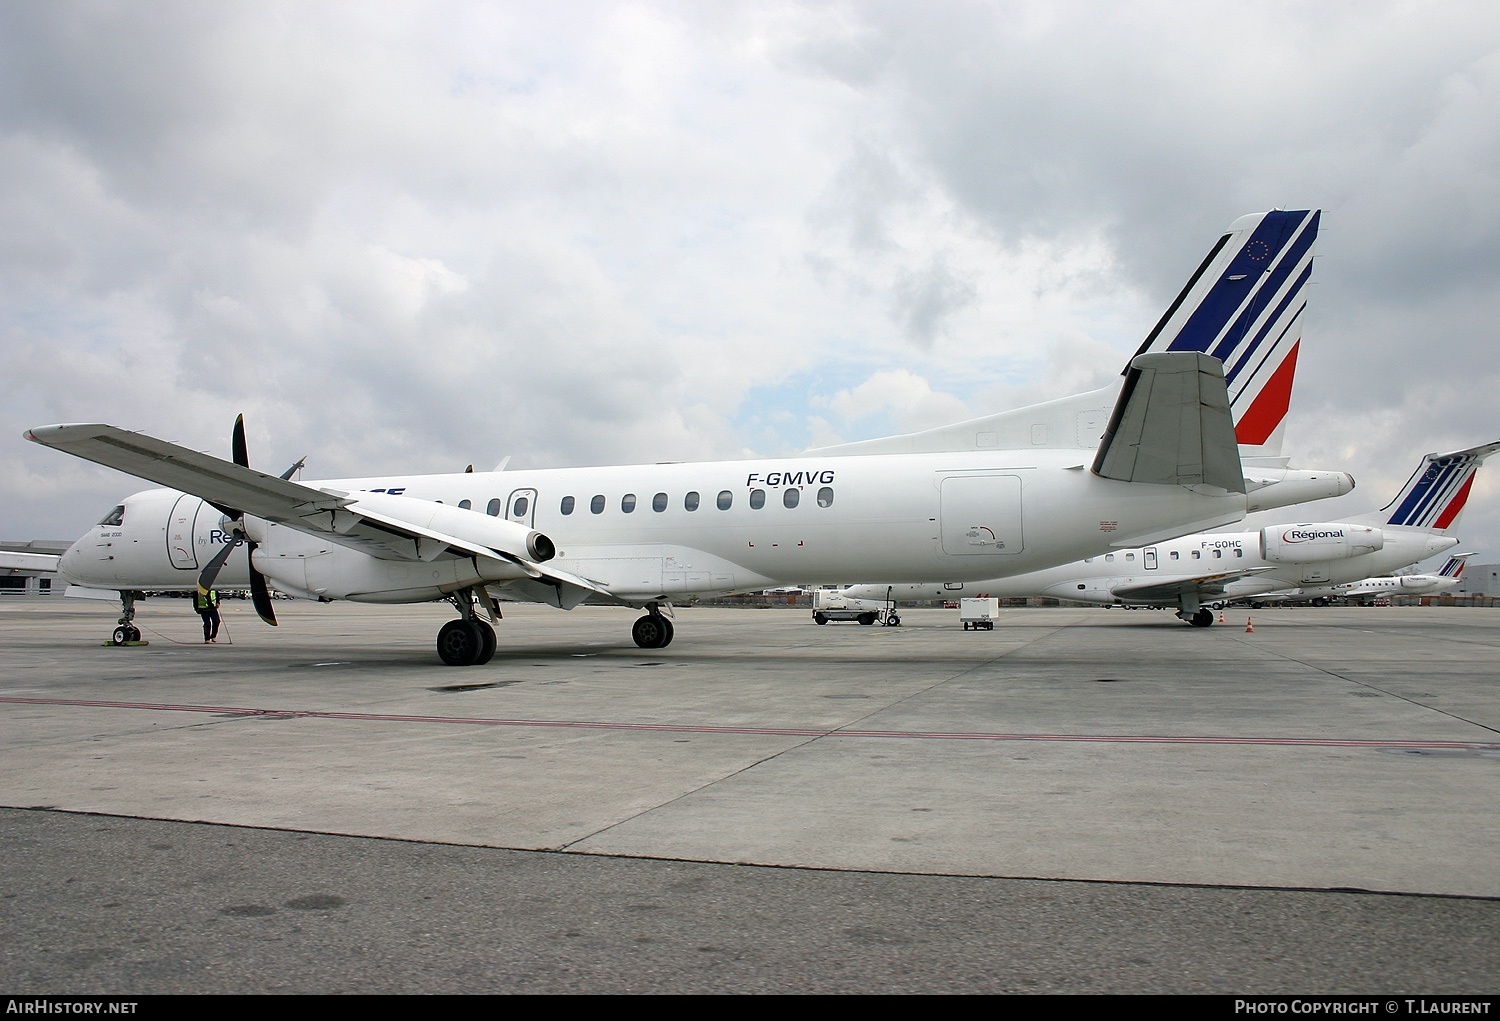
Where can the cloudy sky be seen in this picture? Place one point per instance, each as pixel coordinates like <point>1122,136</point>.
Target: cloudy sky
<point>413,236</point>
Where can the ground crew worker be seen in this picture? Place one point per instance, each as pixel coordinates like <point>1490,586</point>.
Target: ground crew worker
<point>207,605</point>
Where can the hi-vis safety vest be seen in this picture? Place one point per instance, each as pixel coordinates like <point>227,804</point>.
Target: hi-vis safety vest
<point>203,602</point>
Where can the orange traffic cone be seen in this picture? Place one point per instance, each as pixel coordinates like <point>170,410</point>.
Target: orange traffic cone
<point>1249,627</point>
<point>1221,616</point>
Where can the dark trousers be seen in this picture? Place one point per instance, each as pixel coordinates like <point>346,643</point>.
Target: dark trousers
<point>210,622</point>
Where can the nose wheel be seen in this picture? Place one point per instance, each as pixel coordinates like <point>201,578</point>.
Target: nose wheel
<point>126,633</point>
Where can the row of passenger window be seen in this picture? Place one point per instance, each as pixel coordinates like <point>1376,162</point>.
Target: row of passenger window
<point>1217,554</point>
<point>691,501</point>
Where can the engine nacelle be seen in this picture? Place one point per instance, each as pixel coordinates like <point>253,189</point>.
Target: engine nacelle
<point>315,564</point>
<point>1313,543</point>
<point>1269,488</point>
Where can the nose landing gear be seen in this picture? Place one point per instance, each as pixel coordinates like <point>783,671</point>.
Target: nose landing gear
<point>126,633</point>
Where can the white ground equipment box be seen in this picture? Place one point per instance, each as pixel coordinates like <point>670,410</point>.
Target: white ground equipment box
<point>978,614</point>
<point>833,605</point>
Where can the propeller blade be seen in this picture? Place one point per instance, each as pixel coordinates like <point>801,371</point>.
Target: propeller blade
<point>260,593</point>
<point>211,569</point>
<point>241,456</point>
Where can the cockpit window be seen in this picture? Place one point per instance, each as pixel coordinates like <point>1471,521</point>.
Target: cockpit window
<point>115,517</point>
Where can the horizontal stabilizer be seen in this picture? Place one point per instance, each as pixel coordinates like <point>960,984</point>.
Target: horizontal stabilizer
<point>1171,425</point>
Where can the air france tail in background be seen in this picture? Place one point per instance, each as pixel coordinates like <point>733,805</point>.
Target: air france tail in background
<point>1435,495</point>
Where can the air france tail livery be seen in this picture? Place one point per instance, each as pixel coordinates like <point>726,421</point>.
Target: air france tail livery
<point>1003,495</point>
<point>1306,559</point>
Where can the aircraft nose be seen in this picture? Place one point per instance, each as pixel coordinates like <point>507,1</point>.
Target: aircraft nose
<point>70,565</point>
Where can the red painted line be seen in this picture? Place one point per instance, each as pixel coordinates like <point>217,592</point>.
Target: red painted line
<point>675,728</point>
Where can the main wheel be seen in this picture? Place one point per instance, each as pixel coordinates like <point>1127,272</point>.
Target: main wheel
<point>121,635</point>
<point>820,618</point>
<point>459,643</point>
<point>486,643</point>
<point>1203,618</point>
<point>652,632</point>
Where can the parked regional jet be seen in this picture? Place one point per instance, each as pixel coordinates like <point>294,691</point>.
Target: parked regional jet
<point>1166,462</point>
<point>1276,560</point>
<point>1368,589</point>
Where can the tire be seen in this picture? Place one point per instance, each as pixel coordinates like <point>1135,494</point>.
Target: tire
<point>650,632</point>
<point>867,619</point>
<point>121,635</point>
<point>487,643</point>
<point>459,643</point>
<point>820,618</point>
<point>893,621</point>
<point>1203,618</point>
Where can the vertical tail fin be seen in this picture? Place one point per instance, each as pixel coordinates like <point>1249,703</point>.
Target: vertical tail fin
<point>1435,495</point>
<point>1454,568</point>
<point>1244,306</point>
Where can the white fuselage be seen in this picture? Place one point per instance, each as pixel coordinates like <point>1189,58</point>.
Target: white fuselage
<point>1399,585</point>
<point>668,530</point>
<point>1102,579</point>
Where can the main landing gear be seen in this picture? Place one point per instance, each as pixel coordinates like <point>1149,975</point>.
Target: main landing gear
<point>1202,617</point>
<point>653,631</point>
<point>467,641</point>
<point>126,633</point>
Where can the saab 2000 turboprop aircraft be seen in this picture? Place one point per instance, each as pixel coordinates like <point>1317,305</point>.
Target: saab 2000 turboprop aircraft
<point>1310,560</point>
<point>1166,463</point>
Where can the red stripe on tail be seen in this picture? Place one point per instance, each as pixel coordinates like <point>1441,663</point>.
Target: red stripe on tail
<point>1456,504</point>
<point>1269,407</point>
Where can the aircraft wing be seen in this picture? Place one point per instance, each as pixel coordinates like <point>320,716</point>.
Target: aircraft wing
<point>222,483</point>
<point>348,519</point>
<point>39,562</point>
<point>1171,590</point>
